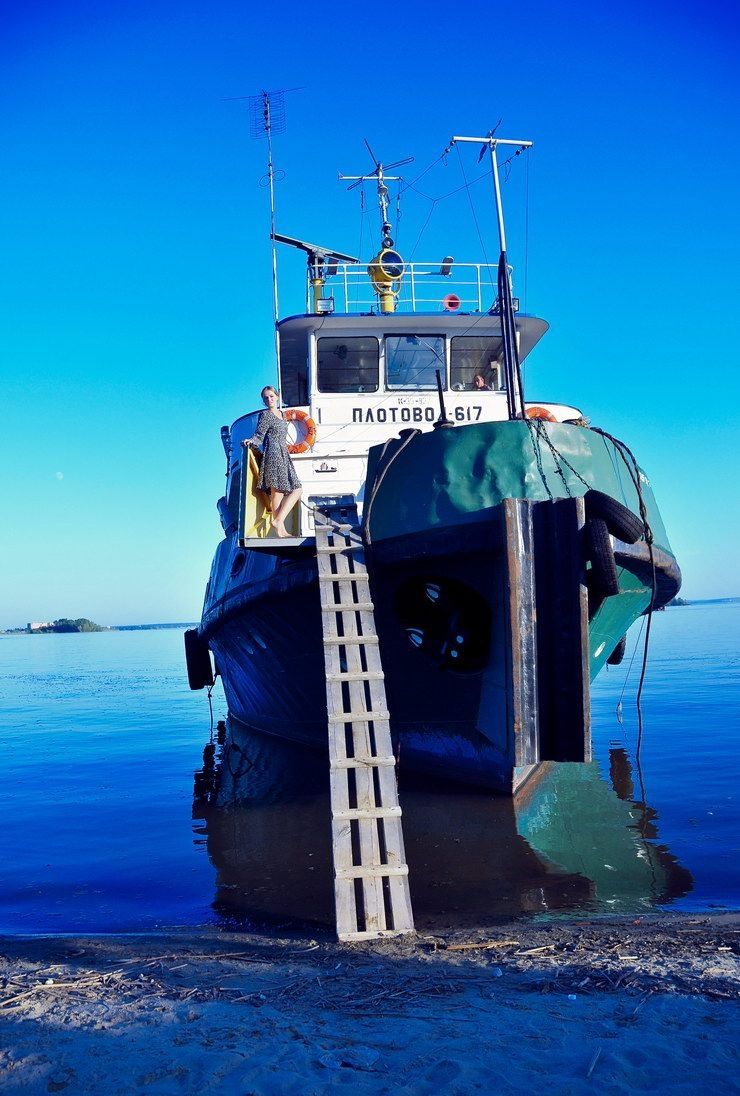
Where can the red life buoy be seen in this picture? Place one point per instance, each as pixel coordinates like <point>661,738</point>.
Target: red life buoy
<point>540,413</point>
<point>309,437</point>
<point>451,302</point>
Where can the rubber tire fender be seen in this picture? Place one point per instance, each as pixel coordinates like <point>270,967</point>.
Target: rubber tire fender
<point>604,580</point>
<point>198,660</point>
<point>620,521</point>
<point>618,653</point>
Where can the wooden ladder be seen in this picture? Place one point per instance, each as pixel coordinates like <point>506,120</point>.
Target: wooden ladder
<point>371,885</point>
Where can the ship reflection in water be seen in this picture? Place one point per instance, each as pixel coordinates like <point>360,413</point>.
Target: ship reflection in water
<point>570,840</point>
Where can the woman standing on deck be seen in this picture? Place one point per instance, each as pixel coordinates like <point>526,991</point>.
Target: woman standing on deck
<point>277,474</point>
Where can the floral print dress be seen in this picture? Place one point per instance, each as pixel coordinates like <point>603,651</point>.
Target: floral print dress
<point>277,470</point>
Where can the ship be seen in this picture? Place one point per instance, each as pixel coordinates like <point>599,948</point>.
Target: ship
<point>509,544</point>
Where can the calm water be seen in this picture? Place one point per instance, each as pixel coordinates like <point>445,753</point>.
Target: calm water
<point>101,736</point>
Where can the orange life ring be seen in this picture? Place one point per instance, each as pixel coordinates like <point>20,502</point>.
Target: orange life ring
<point>540,413</point>
<point>309,438</point>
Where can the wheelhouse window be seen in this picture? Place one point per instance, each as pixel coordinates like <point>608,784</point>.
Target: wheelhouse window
<point>294,367</point>
<point>475,364</point>
<point>348,364</point>
<point>411,361</point>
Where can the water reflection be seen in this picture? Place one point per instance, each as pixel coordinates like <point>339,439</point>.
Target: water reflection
<point>571,840</point>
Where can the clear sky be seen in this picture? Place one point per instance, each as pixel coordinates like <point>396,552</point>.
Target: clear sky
<point>134,287</point>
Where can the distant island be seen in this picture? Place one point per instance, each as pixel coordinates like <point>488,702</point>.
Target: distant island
<point>83,624</point>
<point>65,624</point>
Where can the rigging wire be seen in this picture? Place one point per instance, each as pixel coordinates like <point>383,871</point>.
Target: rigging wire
<point>634,473</point>
<point>362,228</point>
<point>449,194</point>
<point>629,671</point>
<point>526,248</point>
<point>472,210</point>
<point>398,211</point>
<point>526,229</point>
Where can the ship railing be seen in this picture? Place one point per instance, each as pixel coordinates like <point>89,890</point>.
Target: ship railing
<point>424,287</point>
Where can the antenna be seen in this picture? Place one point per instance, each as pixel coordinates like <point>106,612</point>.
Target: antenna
<point>380,177</point>
<point>267,116</point>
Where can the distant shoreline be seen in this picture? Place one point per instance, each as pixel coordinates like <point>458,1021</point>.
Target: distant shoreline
<point>107,628</point>
<point>681,604</point>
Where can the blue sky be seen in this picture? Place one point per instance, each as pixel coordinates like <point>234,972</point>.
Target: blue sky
<point>135,314</point>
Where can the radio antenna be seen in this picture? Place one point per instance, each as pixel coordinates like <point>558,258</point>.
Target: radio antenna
<point>267,117</point>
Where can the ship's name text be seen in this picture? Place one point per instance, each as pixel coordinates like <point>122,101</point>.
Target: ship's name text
<point>413,414</point>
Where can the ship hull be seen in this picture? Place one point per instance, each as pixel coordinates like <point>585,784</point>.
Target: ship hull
<point>262,620</point>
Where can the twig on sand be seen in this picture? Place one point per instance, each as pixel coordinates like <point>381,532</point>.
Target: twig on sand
<point>51,985</point>
<point>594,1060</point>
<point>484,945</point>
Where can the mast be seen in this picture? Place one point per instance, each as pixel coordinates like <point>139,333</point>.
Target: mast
<point>387,267</point>
<point>512,370</point>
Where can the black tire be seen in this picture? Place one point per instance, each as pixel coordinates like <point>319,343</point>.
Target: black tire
<point>620,521</point>
<point>618,653</point>
<point>198,660</point>
<point>599,550</point>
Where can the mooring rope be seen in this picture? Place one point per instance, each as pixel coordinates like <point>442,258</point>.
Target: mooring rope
<point>634,471</point>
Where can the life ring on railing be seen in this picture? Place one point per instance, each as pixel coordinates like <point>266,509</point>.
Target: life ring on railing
<point>309,437</point>
<point>540,413</point>
<point>451,302</point>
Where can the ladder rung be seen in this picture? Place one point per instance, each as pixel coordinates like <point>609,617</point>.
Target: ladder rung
<point>347,606</point>
<point>336,548</point>
<point>363,871</point>
<point>357,675</point>
<point>361,577</point>
<point>342,641</point>
<point>358,762</point>
<point>367,812</point>
<point>374,934</point>
<point>357,717</point>
<point>327,523</point>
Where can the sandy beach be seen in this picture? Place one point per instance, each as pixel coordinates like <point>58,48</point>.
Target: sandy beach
<point>647,1005</point>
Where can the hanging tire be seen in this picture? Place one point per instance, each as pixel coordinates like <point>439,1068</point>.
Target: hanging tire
<point>621,522</point>
<point>618,653</point>
<point>198,660</point>
<point>604,580</point>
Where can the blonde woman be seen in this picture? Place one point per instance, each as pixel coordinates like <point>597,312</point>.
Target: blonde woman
<point>277,474</point>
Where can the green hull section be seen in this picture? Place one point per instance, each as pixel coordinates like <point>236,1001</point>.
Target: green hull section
<point>453,479</point>
<point>450,477</point>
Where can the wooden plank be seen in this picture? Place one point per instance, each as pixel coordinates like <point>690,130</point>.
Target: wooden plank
<point>369,812</point>
<point>358,717</point>
<point>378,869</point>
<point>392,827</point>
<point>335,549</point>
<point>356,699</point>
<point>357,675</point>
<point>521,630</point>
<point>368,836</point>
<point>355,762</point>
<point>366,804</point>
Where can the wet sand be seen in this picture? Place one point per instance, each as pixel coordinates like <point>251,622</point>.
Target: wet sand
<point>577,1006</point>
